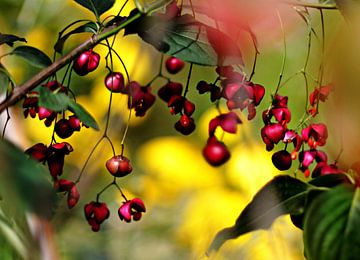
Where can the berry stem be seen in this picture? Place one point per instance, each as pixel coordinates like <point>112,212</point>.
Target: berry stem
<point>188,80</point>
<point>285,51</point>
<point>88,159</point>
<point>253,39</point>
<point>7,120</point>
<point>104,189</point>
<point>118,187</point>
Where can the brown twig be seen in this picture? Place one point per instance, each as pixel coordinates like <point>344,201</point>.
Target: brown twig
<point>20,91</point>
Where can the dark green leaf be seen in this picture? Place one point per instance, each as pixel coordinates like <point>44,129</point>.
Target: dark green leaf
<point>4,79</point>
<point>98,7</point>
<point>56,102</point>
<point>83,115</point>
<point>331,225</point>
<point>330,180</point>
<point>88,27</point>
<point>282,195</point>
<point>146,6</point>
<point>188,39</point>
<point>32,55</point>
<point>9,39</point>
<point>23,181</point>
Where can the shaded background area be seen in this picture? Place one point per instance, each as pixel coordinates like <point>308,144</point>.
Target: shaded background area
<point>187,200</point>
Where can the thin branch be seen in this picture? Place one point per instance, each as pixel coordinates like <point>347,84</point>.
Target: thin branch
<point>19,92</point>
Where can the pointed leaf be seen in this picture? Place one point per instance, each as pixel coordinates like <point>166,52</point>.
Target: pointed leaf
<point>4,79</point>
<point>330,180</point>
<point>331,225</point>
<point>23,181</point>
<point>9,39</point>
<point>282,195</point>
<point>98,7</point>
<point>90,27</point>
<point>83,115</point>
<point>33,56</point>
<point>188,39</point>
<point>146,6</point>
<point>56,102</point>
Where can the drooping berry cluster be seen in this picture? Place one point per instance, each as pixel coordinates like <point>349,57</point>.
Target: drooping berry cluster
<point>139,98</point>
<point>54,157</point>
<point>276,119</point>
<point>239,94</point>
<point>97,212</point>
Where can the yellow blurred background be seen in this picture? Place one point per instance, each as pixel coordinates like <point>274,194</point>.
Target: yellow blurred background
<point>187,200</point>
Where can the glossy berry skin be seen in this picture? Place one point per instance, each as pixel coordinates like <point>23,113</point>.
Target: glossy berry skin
<point>114,82</point>
<point>119,166</point>
<point>63,128</point>
<point>215,152</point>
<point>86,62</point>
<point>282,160</point>
<point>174,65</point>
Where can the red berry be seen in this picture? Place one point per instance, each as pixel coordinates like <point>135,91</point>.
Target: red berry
<point>119,166</point>
<point>73,197</point>
<point>38,152</point>
<point>282,160</point>
<point>86,62</point>
<point>174,65</point>
<point>185,125</point>
<point>114,82</point>
<point>215,152</point>
<point>63,128</point>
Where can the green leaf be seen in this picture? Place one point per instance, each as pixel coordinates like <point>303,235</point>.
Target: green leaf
<point>23,181</point>
<point>4,79</point>
<point>330,180</point>
<point>331,225</point>
<point>56,102</point>
<point>9,39</point>
<point>83,115</point>
<point>188,40</point>
<point>146,6</point>
<point>98,7</point>
<point>33,56</point>
<point>282,195</point>
<point>90,27</point>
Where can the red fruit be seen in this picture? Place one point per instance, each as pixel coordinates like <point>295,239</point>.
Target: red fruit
<point>73,197</point>
<point>114,82</point>
<point>63,128</point>
<point>96,213</point>
<point>86,62</point>
<point>215,152</point>
<point>75,123</point>
<point>119,166</point>
<point>185,125</point>
<point>282,160</point>
<point>63,185</point>
<point>132,208</point>
<point>38,152</point>
<point>174,65</point>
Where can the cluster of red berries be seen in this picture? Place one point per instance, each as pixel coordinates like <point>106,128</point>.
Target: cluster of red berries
<point>239,94</point>
<point>140,98</point>
<point>54,157</point>
<point>314,135</point>
<point>97,212</point>
<point>64,128</point>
